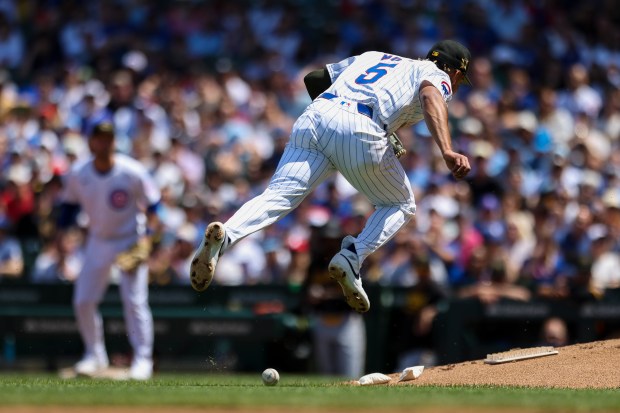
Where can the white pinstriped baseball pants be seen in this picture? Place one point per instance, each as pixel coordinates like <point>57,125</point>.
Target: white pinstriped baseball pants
<point>90,288</point>
<point>331,135</point>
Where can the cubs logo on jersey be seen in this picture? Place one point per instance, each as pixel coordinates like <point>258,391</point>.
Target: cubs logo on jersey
<point>446,90</point>
<point>119,199</point>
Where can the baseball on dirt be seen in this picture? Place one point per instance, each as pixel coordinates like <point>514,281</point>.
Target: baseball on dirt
<point>271,377</point>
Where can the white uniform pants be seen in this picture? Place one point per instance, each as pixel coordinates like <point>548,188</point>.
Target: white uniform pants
<point>92,284</point>
<point>331,135</point>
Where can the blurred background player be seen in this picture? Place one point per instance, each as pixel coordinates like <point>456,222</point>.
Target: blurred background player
<point>338,332</point>
<point>118,196</point>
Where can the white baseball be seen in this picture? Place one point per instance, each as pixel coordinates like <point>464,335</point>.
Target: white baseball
<point>271,377</point>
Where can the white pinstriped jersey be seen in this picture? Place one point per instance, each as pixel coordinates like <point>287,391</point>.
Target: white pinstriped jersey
<point>389,84</point>
<point>338,133</point>
<point>112,201</point>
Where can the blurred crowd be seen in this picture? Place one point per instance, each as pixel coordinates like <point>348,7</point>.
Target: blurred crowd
<point>205,93</point>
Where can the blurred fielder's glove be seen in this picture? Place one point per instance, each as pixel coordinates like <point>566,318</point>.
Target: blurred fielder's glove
<point>130,259</point>
<point>397,145</point>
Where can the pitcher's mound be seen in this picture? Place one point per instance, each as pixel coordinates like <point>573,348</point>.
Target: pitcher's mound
<point>590,365</point>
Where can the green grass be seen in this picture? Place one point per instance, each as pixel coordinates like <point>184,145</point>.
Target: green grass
<point>215,390</point>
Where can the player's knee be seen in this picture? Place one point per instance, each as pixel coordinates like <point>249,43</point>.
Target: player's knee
<point>408,210</point>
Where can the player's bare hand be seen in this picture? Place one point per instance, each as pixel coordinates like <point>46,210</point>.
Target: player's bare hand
<point>457,163</point>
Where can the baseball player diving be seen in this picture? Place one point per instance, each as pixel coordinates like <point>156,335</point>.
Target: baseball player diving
<point>357,106</point>
<point>120,199</point>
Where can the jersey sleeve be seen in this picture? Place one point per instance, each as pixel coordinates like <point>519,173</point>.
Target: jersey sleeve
<point>149,191</point>
<point>441,81</point>
<point>335,69</point>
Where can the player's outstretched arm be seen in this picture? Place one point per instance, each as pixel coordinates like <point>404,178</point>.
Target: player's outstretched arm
<point>436,117</point>
<point>317,82</point>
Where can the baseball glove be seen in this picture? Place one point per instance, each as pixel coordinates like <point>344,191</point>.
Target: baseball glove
<point>397,145</point>
<point>130,259</point>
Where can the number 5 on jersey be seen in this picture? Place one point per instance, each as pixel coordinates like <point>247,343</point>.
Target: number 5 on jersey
<point>377,71</point>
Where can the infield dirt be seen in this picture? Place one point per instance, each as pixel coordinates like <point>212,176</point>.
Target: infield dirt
<point>579,366</point>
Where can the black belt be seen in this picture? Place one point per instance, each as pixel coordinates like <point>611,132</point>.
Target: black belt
<point>361,108</point>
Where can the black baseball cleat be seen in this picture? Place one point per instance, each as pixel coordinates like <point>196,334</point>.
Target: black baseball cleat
<point>203,265</point>
<point>341,268</point>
